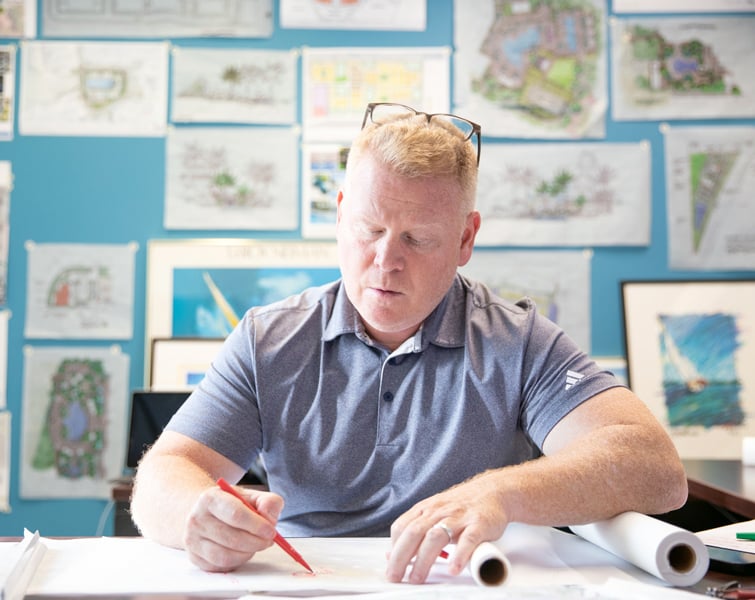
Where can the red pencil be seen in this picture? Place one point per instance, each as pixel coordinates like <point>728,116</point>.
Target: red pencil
<point>279,539</point>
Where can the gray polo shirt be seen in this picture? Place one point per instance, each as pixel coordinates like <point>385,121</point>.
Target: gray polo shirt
<point>353,435</point>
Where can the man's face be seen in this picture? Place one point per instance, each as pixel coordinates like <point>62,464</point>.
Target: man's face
<point>399,243</point>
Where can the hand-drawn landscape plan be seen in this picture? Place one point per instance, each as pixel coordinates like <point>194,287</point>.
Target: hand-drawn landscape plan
<point>565,194</point>
<point>710,175</point>
<point>94,88</point>
<point>74,421</point>
<point>683,68</point>
<point>216,85</point>
<point>527,68</point>
<point>231,178</point>
<point>157,18</point>
<point>82,291</point>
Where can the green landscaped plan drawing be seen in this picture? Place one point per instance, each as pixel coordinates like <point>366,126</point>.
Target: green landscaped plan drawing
<point>539,65</point>
<point>683,68</point>
<point>710,174</point>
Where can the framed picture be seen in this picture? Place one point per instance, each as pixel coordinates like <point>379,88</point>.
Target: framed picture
<point>179,364</point>
<point>201,288</point>
<point>690,347</point>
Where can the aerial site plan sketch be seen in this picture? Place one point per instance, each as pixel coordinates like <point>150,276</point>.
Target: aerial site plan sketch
<point>94,88</point>
<point>231,178</point>
<point>157,18</point>
<point>710,175</point>
<point>74,413</point>
<point>527,68</point>
<point>681,68</point>
<point>219,85</point>
<point>578,194</point>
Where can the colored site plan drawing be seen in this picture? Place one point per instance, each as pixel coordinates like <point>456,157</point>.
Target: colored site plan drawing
<point>532,68</point>
<point>710,175</point>
<point>214,85</point>
<point>582,194</point>
<point>83,291</point>
<point>557,281</point>
<point>681,68</point>
<point>157,18</point>
<point>74,410</point>
<point>231,178</point>
<point>94,88</point>
<point>338,83</point>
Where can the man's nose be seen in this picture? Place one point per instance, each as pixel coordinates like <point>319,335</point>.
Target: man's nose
<point>389,254</point>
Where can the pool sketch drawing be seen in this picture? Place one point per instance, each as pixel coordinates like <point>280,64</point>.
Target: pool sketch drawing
<point>700,382</point>
<point>73,436</point>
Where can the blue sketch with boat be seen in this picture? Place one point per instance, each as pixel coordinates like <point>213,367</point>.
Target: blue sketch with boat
<point>700,382</point>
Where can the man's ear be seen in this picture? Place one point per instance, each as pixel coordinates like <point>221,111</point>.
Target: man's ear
<point>339,199</point>
<point>468,235</point>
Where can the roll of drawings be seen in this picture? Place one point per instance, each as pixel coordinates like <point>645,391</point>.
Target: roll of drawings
<point>488,566</point>
<point>670,553</point>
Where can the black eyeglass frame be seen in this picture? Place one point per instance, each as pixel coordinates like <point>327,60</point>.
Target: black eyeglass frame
<point>476,129</point>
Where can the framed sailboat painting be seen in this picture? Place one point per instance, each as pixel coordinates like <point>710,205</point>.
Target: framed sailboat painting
<point>690,349</point>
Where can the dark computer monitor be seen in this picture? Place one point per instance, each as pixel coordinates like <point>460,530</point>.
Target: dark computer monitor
<point>150,413</point>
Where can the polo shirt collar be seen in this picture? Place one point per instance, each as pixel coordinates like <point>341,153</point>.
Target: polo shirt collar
<point>444,327</point>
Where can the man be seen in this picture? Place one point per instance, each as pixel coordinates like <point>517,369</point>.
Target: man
<point>403,398</point>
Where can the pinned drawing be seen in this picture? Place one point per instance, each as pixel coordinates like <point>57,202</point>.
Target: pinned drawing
<point>80,291</point>
<point>682,68</point>
<point>231,178</point>
<point>710,172</point>
<point>532,68</point>
<point>94,88</point>
<point>75,403</point>
<point>216,85</point>
<point>564,194</point>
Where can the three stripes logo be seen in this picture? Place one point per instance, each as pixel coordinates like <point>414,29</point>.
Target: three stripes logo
<point>572,379</point>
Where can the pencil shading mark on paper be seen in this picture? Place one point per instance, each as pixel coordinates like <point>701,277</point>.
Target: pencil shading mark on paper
<point>700,381</point>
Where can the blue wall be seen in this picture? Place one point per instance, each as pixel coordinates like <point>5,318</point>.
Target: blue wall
<point>98,190</point>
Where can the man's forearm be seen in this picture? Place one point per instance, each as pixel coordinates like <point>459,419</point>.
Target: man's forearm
<point>620,468</point>
<point>165,490</point>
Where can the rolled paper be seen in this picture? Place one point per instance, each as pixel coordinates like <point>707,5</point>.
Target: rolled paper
<point>488,566</point>
<point>672,554</point>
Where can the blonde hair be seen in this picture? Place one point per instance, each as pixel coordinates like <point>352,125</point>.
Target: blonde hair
<point>412,147</point>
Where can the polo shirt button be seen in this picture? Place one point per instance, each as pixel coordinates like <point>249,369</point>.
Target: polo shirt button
<point>388,396</point>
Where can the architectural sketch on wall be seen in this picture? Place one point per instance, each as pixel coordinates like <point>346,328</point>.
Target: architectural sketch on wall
<point>218,85</point>
<point>7,90</point>
<point>390,15</point>
<point>558,283</point>
<point>338,83</point>
<point>93,88</point>
<point>80,291</point>
<point>681,68</point>
<point>18,19</point>
<point>231,178</point>
<point>710,175</point>
<point>323,170</point>
<point>532,69</point>
<point>565,194</point>
<point>6,185</point>
<point>157,18</point>
<point>74,423</point>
